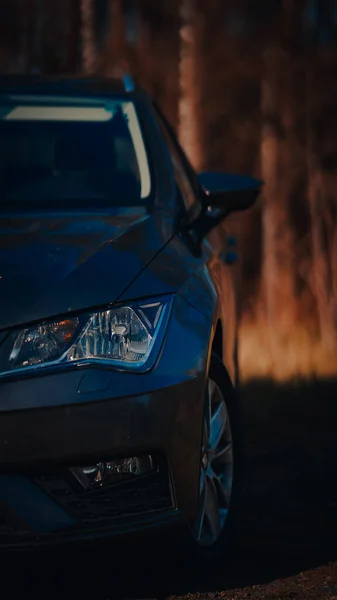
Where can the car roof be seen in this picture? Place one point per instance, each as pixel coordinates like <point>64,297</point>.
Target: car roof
<point>93,86</point>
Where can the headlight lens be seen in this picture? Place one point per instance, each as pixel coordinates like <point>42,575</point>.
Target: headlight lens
<point>44,343</point>
<point>123,337</point>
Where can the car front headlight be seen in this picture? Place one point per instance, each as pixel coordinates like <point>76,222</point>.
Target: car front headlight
<point>125,337</point>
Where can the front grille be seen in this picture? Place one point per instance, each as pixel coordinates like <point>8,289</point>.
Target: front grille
<point>103,508</point>
<point>130,497</point>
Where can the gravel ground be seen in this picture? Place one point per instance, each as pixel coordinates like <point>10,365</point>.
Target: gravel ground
<point>317,584</point>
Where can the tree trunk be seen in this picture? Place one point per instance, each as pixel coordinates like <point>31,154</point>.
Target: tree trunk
<point>146,59</point>
<point>322,196</point>
<point>115,61</point>
<point>74,37</point>
<point>88,36</point>
<point>25,42</point>
<point>278,260</point>
<point>323,276</point>
<point>190,117</point>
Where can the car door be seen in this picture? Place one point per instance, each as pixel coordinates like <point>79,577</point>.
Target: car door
<point>213,268</point>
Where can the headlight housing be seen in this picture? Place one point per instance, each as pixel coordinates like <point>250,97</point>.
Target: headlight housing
<point>124,337</point>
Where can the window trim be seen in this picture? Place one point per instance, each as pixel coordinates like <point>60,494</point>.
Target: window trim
<point>193,211</point>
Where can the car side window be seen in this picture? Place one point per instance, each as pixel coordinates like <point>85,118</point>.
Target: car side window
<point>184,175</point>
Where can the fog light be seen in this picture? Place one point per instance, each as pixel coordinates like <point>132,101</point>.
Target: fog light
<point>108,472</point>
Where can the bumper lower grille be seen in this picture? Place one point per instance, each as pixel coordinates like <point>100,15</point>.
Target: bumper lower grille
<point>125,502</point>
<point>126,498</point>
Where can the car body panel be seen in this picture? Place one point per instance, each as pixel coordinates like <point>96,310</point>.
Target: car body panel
<point>66,436</point>
<point>47,262</point>
<point>202,278</point>
<point>54,264</point>
<point>76,434</point>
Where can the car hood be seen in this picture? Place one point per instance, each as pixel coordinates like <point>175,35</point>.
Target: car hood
<point>52,265</point>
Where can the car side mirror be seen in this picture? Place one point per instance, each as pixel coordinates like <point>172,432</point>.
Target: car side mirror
<point>229,193</point>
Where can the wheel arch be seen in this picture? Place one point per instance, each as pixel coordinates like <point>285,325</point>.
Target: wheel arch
<point>217,342</point>
<point>220,346</point>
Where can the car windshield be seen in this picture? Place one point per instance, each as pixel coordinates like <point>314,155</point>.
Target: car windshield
<point>72,155</point>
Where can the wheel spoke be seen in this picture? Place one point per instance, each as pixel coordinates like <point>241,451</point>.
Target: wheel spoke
<point>211,388</point>
<point>212,509</point>
<point>223,488</point>
<point>223,454</point>
<point>218,425</point>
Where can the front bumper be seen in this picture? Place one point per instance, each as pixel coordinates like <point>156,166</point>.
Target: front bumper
<point>52,423</point>
<point>39,505</point>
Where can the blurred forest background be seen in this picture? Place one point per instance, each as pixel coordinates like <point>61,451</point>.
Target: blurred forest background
<point>250,86</point>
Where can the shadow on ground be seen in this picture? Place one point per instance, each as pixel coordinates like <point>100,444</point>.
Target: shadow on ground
<point>289,484</point>
<point>287,505</point>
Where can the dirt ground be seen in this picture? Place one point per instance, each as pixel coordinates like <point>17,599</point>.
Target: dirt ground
<point>317,584</point>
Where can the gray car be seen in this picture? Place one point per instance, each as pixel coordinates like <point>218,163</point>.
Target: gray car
<point>118,339</point>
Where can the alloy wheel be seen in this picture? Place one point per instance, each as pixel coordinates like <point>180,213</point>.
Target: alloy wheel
<point>216,473</point>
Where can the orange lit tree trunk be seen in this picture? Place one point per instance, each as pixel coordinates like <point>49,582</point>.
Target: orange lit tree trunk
<point>278,260</point>
<point>322,196</point>
<point>190,121</point>
<point>88,36</point>
<point>115,61</point>
<point>157,52</point>
<point>146,60</point>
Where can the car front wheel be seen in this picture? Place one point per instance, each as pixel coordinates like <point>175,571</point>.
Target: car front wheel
<point>211,527</point>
